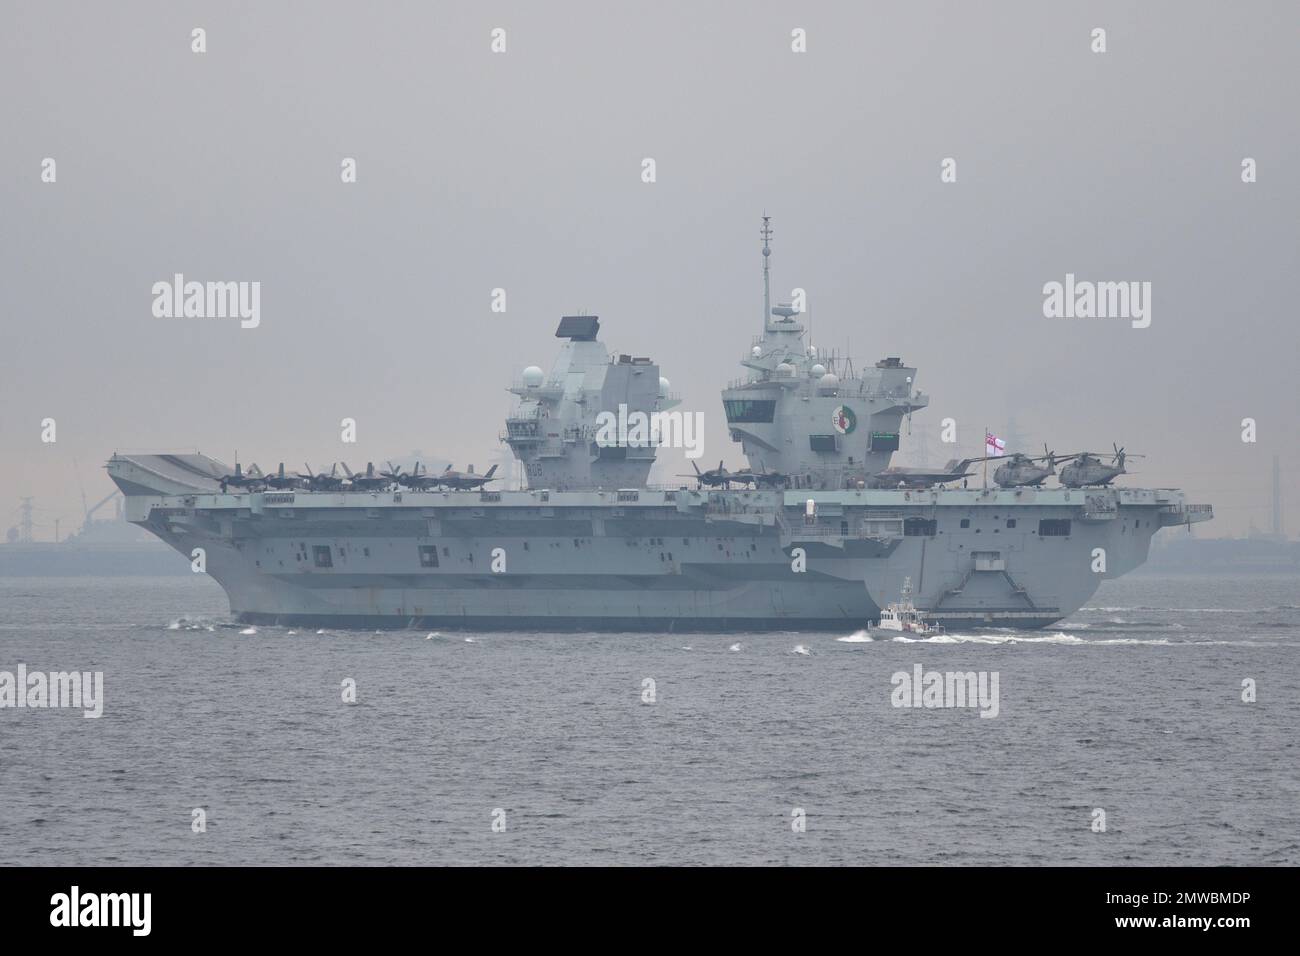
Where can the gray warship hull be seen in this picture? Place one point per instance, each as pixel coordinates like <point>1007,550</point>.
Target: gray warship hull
<point>648,559</point>
<point>591,545</point>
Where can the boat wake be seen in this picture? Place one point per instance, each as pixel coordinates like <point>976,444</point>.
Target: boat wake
<point>1061,638</point>
<point>858,637</point>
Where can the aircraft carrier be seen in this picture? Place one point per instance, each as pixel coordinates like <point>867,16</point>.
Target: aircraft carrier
<point>825,537</point>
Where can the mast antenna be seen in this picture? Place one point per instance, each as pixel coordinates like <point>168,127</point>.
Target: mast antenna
<point>766,233</point>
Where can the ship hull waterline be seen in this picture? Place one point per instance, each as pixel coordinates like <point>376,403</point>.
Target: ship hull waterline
<point>688,597</point>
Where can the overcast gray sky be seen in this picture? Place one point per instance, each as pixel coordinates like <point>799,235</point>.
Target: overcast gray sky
<point>522,170</point>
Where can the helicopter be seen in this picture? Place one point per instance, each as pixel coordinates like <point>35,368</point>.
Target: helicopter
<point>1089,469</point>
<point>1022,471</point>
<point>717,477</point>
<point>324,481</point>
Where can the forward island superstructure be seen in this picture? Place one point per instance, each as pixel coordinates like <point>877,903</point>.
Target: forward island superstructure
<point>823,540</point>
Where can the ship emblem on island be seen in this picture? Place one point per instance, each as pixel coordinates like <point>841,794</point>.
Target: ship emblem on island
<point>844,420</point>
<point>814,533</point>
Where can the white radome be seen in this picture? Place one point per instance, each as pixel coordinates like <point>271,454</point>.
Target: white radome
<point>817,371</point>
<point>665,387</point>
<point>829,382</point>
<point>533,377</point>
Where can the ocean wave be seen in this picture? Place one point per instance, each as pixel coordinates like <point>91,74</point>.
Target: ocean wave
<point>1127,624</point>
<point>857,637</point>
<point>197,622</point>
<point>1058,638</point>
<point>1061,638</point>
<point>1179,610</point>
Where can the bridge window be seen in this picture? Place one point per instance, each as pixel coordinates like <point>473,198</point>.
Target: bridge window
<point>750,409</point>
<point>965,522</point>
<point>1011,522</point>
<point>823,443</point>
<point>884,441</point>
<point>1054,527</point>
<point>428,556</point>
<point>321,555</point>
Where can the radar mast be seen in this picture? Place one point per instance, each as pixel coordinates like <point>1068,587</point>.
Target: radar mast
<point>766,233</point>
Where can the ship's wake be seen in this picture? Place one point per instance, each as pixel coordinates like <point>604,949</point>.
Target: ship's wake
<point>1189,610</point>
<point>858,637</point>
<point>197,622</point>
<point>1061,638</point>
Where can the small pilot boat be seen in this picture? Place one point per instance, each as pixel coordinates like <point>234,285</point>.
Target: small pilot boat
<point>904,617</point>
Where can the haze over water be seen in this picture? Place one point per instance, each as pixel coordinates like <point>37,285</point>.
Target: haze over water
<point>1132,705</point>
<point>522,171</point>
